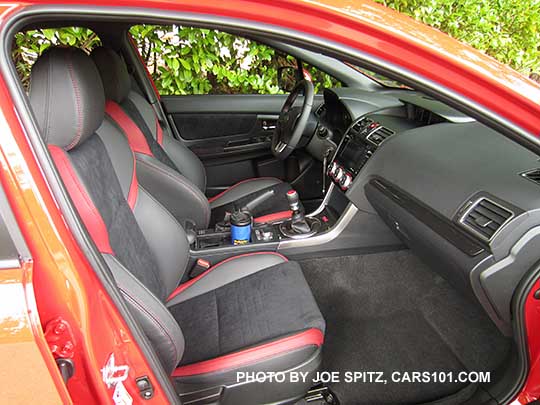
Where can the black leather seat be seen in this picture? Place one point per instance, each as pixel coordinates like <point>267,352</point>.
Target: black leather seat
<point>168,169</point>
<point>248,313</point>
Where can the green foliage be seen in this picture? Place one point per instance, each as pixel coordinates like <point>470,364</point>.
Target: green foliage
<point>28,45</point>
<point>507,30</point>
<point>181,60</point>
<point>185,60</point>
<point>200,61</point>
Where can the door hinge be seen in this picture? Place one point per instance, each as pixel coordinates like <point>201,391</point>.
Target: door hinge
<point>59,337</point>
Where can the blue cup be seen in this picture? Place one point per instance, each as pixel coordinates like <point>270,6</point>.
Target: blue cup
<point>240,228</point>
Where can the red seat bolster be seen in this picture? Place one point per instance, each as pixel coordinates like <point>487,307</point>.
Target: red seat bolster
<point>245,357</point>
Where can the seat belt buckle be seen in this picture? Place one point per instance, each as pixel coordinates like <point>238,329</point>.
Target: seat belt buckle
<point>200,266</point>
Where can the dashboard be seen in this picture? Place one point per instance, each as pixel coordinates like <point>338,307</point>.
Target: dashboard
<point>463,197</point>
<point>358,123</point>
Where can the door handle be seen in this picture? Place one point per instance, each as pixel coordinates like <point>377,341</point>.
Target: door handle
<point>268,126</point>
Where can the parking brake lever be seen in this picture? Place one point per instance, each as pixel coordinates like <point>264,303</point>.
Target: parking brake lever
<point>251,205</point>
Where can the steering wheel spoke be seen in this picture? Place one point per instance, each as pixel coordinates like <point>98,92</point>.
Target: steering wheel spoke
<point>280,147</point>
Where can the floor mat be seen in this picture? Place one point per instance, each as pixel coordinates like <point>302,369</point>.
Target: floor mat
<point>389,313</point>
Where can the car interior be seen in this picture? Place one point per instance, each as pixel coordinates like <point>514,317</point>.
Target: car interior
<point>389,230</point>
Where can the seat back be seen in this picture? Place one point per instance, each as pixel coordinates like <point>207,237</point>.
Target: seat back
<point>171,172</point>
<point>144,246</point>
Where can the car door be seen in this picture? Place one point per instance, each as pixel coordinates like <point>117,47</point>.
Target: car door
<point>231,134</point>
<point>221,97</point>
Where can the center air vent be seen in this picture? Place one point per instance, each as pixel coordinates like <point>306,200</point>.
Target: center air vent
<point>379,135</point>
<point>532,175</point>
<point>485,217</point>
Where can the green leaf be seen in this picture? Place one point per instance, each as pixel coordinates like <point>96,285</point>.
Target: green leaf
<point>185,64</point>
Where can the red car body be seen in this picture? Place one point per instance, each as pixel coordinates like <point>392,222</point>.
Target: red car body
<point>58,279</point>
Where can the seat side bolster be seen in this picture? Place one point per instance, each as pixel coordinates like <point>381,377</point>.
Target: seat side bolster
<point>308,338</point>
<point>165,236</point>
<point>157,322</point>
<point>223,273</point>
<point>175,192</point>
<point>121,154</point>
<point>186,161</point>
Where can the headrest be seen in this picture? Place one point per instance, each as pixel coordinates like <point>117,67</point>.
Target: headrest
<point>114,73</point>
<point>67,96</point>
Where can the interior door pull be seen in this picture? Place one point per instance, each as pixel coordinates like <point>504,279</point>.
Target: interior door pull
<point>268,126</point>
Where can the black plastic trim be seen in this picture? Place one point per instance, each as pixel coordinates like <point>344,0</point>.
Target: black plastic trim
<point>438,223</point>
<point>473,200</point>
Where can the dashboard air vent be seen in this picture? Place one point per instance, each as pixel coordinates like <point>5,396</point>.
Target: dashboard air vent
<point>321,110</point>
<point>363,123</point>
<point>485,217</point>
<point>379,135</point>
<point>532,175</point>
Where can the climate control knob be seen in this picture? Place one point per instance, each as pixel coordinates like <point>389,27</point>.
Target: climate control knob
<point>333,170</point>
<point>346,181</point>
<point>340,174</point>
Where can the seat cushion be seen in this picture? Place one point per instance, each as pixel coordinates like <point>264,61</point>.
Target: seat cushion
<point>238,195</point>
<point>265,306</point>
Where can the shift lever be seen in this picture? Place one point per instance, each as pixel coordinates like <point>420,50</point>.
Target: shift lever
<point>294,201</point>
<point>298,220</point>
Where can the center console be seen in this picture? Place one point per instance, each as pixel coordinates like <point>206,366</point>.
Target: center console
<point>268,233</point>
<point>306,234</point>
<point>358,144</point>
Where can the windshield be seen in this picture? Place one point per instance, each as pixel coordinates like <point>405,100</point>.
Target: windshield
<point>383,80</point>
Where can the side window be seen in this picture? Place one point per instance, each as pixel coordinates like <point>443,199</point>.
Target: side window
<point>320,79</point>
<point>29,45</point>
<point>186,60</point>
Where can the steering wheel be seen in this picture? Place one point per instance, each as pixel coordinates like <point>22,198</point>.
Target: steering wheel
<point>292,120</point>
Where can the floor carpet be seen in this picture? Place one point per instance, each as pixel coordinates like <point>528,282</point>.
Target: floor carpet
<point>389,313</point>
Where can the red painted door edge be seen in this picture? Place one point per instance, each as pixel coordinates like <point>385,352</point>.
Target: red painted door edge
<point>64,283</point>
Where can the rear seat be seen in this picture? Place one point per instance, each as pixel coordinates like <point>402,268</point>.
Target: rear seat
<point>249,313</point>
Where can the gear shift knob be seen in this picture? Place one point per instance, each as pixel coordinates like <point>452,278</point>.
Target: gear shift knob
<point>294,201</point>
<point>298,224</point>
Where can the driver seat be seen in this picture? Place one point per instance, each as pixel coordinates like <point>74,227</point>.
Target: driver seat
<point>170,171</point>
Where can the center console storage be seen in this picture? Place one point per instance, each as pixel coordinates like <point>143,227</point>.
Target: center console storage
<point>262,233</point>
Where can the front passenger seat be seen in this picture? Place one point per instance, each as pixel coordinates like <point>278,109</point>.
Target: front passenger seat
<point>249,313</point>
<point>171,172</point>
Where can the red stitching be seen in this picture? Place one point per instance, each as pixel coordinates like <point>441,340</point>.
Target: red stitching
<point>178,178</point>
<point>242,358</point>
<point>187,284</point>
<point>70,180</point>
<point>154,318</point>
<point>78,134</point>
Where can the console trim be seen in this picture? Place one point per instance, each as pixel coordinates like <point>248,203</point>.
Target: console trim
<point>324,202</point>
<point>344,220</point>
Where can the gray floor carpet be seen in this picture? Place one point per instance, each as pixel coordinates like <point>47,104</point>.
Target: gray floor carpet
<point>389,312</point>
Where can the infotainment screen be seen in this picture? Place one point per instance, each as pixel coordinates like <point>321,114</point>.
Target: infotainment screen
<point>352,155</point>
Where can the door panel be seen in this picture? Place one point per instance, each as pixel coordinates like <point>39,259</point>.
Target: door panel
<point>194,126</point>
<point>229,103</point>
<point>231,134</point>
